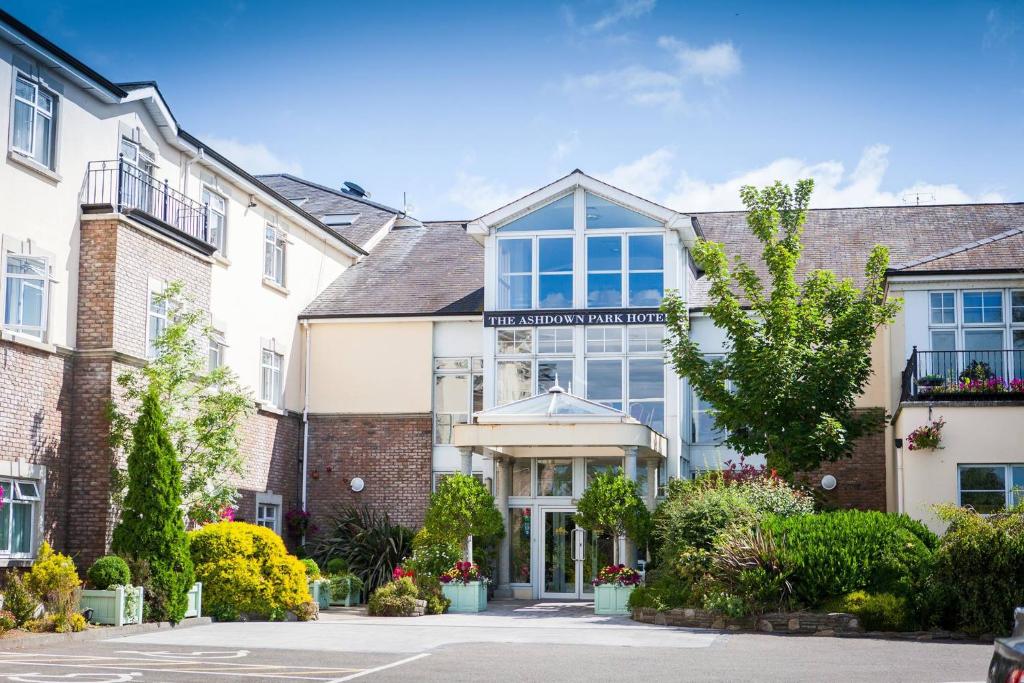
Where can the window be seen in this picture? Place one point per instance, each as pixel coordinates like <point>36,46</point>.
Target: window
<point>602,213</point>
<point>647,392</point>
<point>34,122</point>
<point>604,340</point>
<point>554,340</point>
<point>596,466</point>
<point>216,350</point>
<point>441,476</point>
<point>554,477</point>
<point>522,477</point>
<point>604,272</point>
<point>990,488</point>
<point>515,340</point>
<point>519,543</point>
<point>943,308</point>
<point>515,273</point>
<point>1017,306</point>
<point>458,392</point>
<point>983,307</point>
<point>26,286</point>
<point>515,380</point>
<point>17,516</point>
<point>703,426</point>
<point>217,211</point>
<point>270,376</point>
<point>604,381</point>
<point>550,372</point>
<point>646,266</point>
<point>646,339</point>
<point>555,272</point>
<point>556,215</point>
<point>273,255</point>
<point>267,514</point>
<point>157,317</point>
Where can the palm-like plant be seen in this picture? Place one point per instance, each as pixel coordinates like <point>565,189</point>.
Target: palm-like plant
<point>366,539</point>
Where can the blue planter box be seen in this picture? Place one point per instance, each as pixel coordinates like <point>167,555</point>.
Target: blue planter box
<point>353,597</point>
<point>611,599</point>
<point>469,597</point>
<point>321,592</point>
<point>108,607</point>
<point>195,601</point>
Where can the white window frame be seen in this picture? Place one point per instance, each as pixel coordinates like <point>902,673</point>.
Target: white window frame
<point>517,336</point>
<point>472,369</point>
<point>275,367</point>
<point>1002,307</point>
<point>1008,487</point>
<point>275,252</point>
<point>210,197</point>
<point>624,271</point>
<point>53,116</point>
<point>943,292</point>
<point>11,497</point>
<point>156,288</point>
<point>597,343</point>
<point>961,329</point>
<point>217,348</point>
<point>555,344</point>
<point>19,327</point>
<point>271,500</point>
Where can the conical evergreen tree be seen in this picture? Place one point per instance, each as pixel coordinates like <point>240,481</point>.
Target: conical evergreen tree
<point>151,535</point>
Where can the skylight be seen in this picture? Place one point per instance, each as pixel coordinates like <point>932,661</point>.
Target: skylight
<point>336,220</point>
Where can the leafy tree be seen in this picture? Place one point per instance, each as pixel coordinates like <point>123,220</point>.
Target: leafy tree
<point>151,535</point>
<point>462,507</point>
<point>204,409</point>
<point>799,357</point>
<point>612,504</point>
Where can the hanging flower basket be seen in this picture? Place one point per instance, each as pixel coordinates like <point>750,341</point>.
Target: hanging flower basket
<point>926,437</point>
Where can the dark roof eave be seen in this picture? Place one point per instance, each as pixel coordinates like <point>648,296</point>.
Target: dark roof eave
<point>193,140</point>
<point>950,272</point>
<point>421,314</point>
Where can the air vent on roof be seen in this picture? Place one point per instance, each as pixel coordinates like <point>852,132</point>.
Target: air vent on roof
<point>340,219</point>
<point>352,188</point>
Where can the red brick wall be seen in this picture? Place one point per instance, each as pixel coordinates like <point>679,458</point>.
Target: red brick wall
<point>391,453</point>
<point>35,423</point>
<point>861,478</point>
<point>272,447</point>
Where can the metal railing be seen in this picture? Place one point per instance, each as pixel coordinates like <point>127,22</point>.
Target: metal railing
<point>926,370</point>
<point>126,188</point>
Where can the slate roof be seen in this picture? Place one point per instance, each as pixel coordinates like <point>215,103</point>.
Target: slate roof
<point>436,269</point>
<point>1001,252</point>
<point>320,200</point>
<point>841,239</point>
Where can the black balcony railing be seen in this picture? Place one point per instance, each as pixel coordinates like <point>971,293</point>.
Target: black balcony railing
<point>953,375</point>
<point>127,189</point>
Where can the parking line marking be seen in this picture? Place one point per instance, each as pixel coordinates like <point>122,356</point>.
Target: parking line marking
<point>367,672</point>
<point>208,672</point>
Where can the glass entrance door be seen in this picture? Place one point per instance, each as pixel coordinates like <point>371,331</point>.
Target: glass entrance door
<point>572,556</point>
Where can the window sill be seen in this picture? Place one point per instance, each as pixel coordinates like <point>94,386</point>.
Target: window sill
<point>30,342</point>
<point>270,284</point>
<point>16,561</point>
<point>267,407</point>
<point>33,165</point>
<point>220,259</point>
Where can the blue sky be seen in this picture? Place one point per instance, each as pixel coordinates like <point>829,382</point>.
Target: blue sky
<point>466,105</point>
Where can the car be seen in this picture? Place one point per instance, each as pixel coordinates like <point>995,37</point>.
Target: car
<point>1008,659</point>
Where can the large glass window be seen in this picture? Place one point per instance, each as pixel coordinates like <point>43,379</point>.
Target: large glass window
<point>604,272</point>
<point>1017,306</point>
<point>25,299</point>
<point>646,338</point>
<point>273,255</point>
<point>551,371</point>
<point>17,515</point>
<point>604,340</point>
<point>519,544</point>
<point>515,380</point>
<point>458,392</point>
<point>555,272</point>
<point>596,466</point>
<point>991,488</point>
<point>646,270</point>
<point>554,477</point>
<point>983,307</point>
<point>157,317</point>
<point>984,350</point>
<point>556,215</point>
<point>522,478</point>
<point>515,340</point>
<point>270,377</point>
<point>217,211</point>
<point>34,121</point>
<point>515,273</point>
<point>554,340</point>
<point>602,213</point>
<point>647,391</point>
<point>942,307</point>
<point>703,428</point>
<point>604,381</point>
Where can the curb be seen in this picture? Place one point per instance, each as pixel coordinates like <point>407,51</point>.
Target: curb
<point>28,640</point>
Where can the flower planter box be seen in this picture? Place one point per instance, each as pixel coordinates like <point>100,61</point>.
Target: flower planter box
<point>195,601</point>
<point>108,607</point>
<point>321,592</point>
<point>611,599</point>
<point>466,597</point>
<point>353,597</point>
<point>976,396</point>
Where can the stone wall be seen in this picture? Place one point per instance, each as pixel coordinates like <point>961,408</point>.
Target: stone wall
<point>807,623</point>
<point>272,446</point>
<point>861,478</point>
<point>391,453</point>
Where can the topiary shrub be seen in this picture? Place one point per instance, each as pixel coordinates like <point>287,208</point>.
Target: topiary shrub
<point>108,571</point>
<point>54,581</point>
<point>835,553</point>
<point>247,572</point>
<point>394,599</point>
<point>152,529</point>
<point>18,600</point>
<point>462,507</point>
<point>978,577</point>
<point>876,611</point>
<point>336,566</point>
<point>612,504</point>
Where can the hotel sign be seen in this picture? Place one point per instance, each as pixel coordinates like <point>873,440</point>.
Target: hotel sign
<point>585,316</point>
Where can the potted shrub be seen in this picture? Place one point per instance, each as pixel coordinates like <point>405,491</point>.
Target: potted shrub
<point>926,382</point>
<point>112,599</point>
<point>612,588</point>
<point>465,588</point>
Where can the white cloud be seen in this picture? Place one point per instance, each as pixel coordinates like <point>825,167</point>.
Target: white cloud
<point>623,9</point>
<point>254,157</point>
<point>833,185</point>
<point>480,195</point>
<point>644,177</point>
<point>642,85</point>
<point>566,146</point>
<point>711,64</point>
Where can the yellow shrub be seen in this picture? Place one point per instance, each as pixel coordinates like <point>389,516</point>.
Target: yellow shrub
<point>53,580</point>
<point>247,572</point>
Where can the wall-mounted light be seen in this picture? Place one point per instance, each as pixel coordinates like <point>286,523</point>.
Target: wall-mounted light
<point>828,482</point>
<point>357,484</point>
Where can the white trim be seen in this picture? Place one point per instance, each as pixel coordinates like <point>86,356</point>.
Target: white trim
<point>268,497</point>
<point>396,318</point>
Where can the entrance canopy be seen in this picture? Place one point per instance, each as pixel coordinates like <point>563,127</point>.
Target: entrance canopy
<point>558,424</point>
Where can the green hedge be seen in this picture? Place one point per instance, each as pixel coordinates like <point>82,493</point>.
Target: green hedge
<point>835,553</point>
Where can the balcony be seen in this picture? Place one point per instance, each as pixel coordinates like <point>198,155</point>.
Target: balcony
<point>121,187</point>
<point>996,375</point>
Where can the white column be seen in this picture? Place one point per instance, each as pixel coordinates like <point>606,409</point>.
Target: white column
<point>502,470</point>
<point>651,494</point>
<point>627,550</point>
<point>466,464</point>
